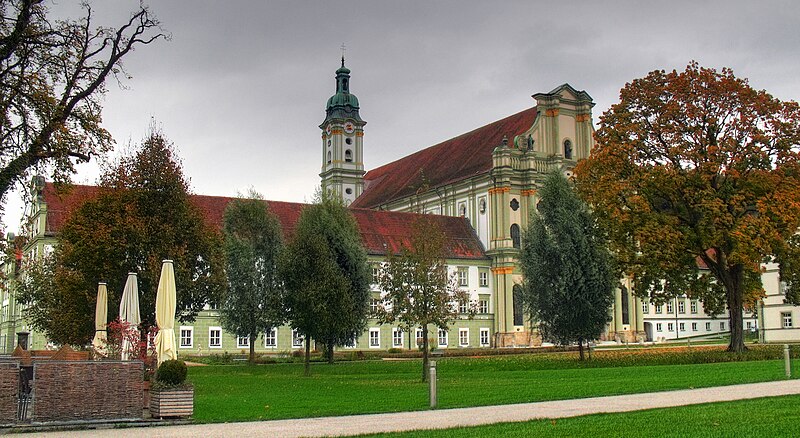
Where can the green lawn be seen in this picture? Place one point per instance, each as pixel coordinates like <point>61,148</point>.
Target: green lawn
<point>240,393</point>
<point>764,417</point>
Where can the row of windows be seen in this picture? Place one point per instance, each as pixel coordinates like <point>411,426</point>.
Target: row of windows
<point>670,307</point>
<point>463,307</point>
<point>374,339</point>
<point>462,273</point>
<point>682,326</point>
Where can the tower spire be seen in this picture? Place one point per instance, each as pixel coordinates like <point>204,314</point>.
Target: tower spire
<point>343,50</point>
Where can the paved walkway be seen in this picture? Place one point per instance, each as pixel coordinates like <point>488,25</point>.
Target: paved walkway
<point>447,418</point>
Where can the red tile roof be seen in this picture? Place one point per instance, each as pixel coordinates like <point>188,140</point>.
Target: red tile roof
<point>447,162</point>
<point>381,231</point>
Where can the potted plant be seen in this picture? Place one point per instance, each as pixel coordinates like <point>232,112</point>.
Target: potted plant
<point>171,395</point>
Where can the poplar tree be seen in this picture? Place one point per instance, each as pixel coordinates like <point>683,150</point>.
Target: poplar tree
<point>568,280</point>
<point>253,242</point>
<point>326,276</point>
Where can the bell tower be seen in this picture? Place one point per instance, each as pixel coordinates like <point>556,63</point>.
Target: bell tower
<point>342,141</point>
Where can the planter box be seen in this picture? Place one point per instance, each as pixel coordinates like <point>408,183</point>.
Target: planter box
<point>172,403</point>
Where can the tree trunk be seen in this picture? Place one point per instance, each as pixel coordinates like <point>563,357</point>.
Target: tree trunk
<point>329,352</point>
<point>580,348</point>
<point>252,348</point>
<point>307,366</point>
<point>425,361</point>
<point>734,295</point>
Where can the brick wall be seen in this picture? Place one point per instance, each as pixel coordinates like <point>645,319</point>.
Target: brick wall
<point>9,385</point>
<point>101,390</point>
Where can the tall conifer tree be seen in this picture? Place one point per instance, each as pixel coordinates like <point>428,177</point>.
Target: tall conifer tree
<point>568,279</point>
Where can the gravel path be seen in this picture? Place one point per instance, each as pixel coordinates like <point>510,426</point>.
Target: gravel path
<point>447,418</point>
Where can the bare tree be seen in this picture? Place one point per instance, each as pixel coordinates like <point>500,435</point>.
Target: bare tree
<point>52,80</point>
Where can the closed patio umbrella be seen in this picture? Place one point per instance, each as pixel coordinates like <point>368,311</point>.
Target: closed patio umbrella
<point>129,312</point>
<point>165,313</point>
<point>100,320</point>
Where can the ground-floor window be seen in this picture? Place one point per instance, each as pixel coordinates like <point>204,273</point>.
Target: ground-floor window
<point>243,341</point>
<point>419,338</point>
<point>682,327</point>
<point>694,326</point>
<point>187,337</point>
<point>722,325</point>
<point>397,337</point>
<point>484,337</point>
<point>659,327</point>
<point>271,338</point>
<point>749,325</point>
<point>374,338</point>
<point>215,337</point>
<point>442,338</point>
<point>786,317</point>
<point>708,326</point>
<point>463,337</point>
<point>297,339</point>
<point>670,327</point>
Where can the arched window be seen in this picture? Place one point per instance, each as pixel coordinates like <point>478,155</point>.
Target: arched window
<point>515,238</point>
<point>329,157</point>
<point>348,156</point>
<point>626,317</point>
<point>517,301</point>
<point>567,149</point>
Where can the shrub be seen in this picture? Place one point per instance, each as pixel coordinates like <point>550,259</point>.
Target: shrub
<point>171,372</point>
<point>395,350</point>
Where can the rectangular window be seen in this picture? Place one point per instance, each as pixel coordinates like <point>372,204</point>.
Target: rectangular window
<point>271,338</point>
<point>483,306</point>
<point>786,317</point>
<point>658,327</point>
<point>693,306</point>
<point>483,278</point>
<point>670,327</point>
<point>484,337</point>
<point>243,341</point>
<point>669,307</point>
<point>376,274</point>
<point>374,305</point>
<point>694,326</point>
<point>681,307</point>
<point>297,339</point>
<point>442,338</point>
<point>463,307</point>
<point>187,337</point>
<point>708,326</point>
<point>749,325</point>
<point>722,326</point>
<point>375,338</point>
<point>463,337</point>
<point>215,337</point>
<point>351,343</point>
<point>645,307</point>
<point>681,327</point>
<point>463,279</point>
<point>418,336</point>
<point>659,308</point>
<point>397,337</point>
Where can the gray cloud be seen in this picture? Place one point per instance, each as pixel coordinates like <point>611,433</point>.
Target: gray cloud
<point>242,86</point>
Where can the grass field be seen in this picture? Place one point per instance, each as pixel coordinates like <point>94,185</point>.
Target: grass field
<point>240,393</point>
<point>765,417</point>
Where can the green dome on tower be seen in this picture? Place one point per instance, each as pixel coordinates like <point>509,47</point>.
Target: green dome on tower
<point>343,104</point>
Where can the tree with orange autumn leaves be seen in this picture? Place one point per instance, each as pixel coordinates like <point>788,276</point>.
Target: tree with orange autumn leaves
<point>696,179</point>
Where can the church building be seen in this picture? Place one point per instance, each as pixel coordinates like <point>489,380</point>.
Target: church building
<point>481,187</point>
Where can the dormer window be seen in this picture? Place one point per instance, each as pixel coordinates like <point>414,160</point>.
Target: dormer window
<point>348,156</point>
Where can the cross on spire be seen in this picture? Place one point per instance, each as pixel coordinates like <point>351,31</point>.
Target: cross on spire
<point>343,50</point>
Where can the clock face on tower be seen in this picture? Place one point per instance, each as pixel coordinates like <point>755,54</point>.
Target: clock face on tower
<point>349,127</point>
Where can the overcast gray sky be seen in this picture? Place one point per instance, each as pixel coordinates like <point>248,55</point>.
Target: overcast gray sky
<point>242,86</point>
